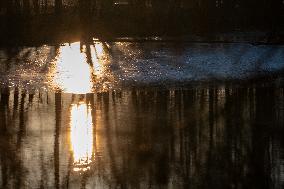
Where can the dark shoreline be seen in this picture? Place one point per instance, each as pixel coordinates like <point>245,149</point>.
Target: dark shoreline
<point>52,29</point>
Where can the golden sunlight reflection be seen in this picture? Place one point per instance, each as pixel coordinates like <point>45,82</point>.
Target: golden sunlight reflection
<point>77,68</point>
<point>81,137</point>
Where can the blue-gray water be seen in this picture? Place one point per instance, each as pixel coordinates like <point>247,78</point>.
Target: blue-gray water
<point>142,115</point>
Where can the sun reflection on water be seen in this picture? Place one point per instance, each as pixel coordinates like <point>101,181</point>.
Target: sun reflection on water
<point>81,137</point>
<point>78,68</point>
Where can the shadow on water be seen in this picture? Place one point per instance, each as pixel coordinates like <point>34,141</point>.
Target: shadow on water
<point>207,137</point>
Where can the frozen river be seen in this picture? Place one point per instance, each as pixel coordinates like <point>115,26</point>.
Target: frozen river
<point>142,115</point>
<point>77,68</point>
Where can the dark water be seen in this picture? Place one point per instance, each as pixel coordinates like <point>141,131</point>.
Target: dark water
<point>142,115</point>
<point>141,94</point>
<point>217,137</point>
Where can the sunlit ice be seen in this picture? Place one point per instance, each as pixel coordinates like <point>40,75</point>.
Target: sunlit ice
<point>77,68</point>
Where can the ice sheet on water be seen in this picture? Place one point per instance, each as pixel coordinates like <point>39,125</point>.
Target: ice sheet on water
<point>187,62</point>
<point>143,63</point>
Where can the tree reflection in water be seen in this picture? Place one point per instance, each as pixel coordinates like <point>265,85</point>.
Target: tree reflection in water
<point>219,137</point>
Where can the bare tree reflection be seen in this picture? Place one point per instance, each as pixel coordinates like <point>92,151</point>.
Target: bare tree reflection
<point>56,139</point>
<point>218,137</point>
<point>4,101</point>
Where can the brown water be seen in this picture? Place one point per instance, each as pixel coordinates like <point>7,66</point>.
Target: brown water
<point>117,116</point>
<point>220,137</point>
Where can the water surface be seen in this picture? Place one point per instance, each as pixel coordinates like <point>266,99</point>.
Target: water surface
<point>142,115</point>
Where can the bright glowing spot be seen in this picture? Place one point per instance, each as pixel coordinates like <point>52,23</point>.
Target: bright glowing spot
<point>81,137</point>
<point>100,59</point>
<point>81,69</point>
<point>72,73</point>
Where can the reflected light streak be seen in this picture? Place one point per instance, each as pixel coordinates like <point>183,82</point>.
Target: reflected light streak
<point>98,53</point>
<point>81,137</point>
